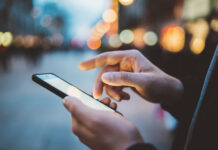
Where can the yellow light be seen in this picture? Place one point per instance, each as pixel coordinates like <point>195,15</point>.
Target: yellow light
<point>94,43</point>
<point>199,28</point>
<point>1,38</point>
<point>109,16</point>
<point>197,45</point>
<point>114,41</point>
<point>150,38</point>
<point>139,37</point>
<point>6,39</point>
<point>28,41</point>
<point>172,38</point>
<point>214,24</point>
<point>127,36</point>
<point>126,2</point>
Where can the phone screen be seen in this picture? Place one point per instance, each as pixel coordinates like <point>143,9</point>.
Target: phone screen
<point>71,90</point>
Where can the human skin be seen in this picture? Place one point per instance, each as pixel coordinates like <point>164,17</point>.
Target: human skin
<point>131,69</point>
<point>109,130</point>
<point>101,129</point>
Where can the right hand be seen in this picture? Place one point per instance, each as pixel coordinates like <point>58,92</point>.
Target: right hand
<point>130,68</point>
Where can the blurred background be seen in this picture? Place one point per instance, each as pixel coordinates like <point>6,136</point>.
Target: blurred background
<point>179,36</point>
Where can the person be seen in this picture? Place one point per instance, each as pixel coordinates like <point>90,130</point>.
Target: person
<point>111,131</point>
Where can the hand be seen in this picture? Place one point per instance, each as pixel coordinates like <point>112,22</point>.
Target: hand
<point>130,68</point>
<point>101,129</point>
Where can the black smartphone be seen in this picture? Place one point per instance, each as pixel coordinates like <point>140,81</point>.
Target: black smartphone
<point>63,88</point>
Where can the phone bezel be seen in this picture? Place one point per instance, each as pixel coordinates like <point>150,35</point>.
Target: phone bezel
<point>57,91</point>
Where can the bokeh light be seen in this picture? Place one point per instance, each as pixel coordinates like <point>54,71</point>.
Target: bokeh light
<point>126,2</point>
<point>214,24</point>
<point>94,43</point>
<point>57,39</point>
<point>46,20</point>
<point>114,41</point>
<point>36,12</point>
<point>18,41</point>
<point>127,36</point>
<point>28,41</point>
<point>102,27</point>
<point>109,16</point>
<point>150,38</point>
<point>6,39</point>
<point>172,38</point>
<point>199,28</point>
<point>197,45</point>
<point>0,38</point>
<point>139,37</point>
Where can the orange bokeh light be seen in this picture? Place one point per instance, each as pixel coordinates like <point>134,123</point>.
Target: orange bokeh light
<point>172,38</point>
<point>139,37</point>
<point>126,2</point>
<point>94,43</point>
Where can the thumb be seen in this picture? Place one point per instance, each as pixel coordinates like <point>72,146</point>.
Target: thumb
<point>77,109</point>
<point>122,79</point>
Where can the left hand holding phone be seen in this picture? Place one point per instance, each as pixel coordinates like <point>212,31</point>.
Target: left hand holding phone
<point>101,129</point>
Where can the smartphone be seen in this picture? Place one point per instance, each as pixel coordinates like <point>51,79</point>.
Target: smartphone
<point>63,88</point>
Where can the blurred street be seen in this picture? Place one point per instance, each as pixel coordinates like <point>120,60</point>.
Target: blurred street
<point>33,118</point>
<point>52,36</point>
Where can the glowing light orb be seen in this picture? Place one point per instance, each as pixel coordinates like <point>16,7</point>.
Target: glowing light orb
<point>197,45</point>
<point>126,2</point>
<point>6,39</point>
<point>0,38</point>
<point>214,24</point>
<point>114,41</point>
<point>109,16</point>
<point>46,20</point>
<point>173,38</point>
<point>28,41</point>
<point>127,36</point>
<point>150,38</point>
<point>139,37</point>
<point>94,43</point>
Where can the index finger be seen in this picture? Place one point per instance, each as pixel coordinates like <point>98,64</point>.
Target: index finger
<point>107,58</point>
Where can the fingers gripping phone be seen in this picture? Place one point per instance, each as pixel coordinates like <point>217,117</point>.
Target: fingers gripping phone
<point>62,88</point>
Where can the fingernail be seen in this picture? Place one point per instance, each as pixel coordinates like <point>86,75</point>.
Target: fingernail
<point>117,98</point>
<point>106,76</point>
<point>65,100</point>
<point>96,96</point>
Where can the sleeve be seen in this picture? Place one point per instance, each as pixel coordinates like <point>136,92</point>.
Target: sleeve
<point>142,146</point>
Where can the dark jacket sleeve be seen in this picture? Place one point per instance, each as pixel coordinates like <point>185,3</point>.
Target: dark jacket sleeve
<point>141,146</point>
